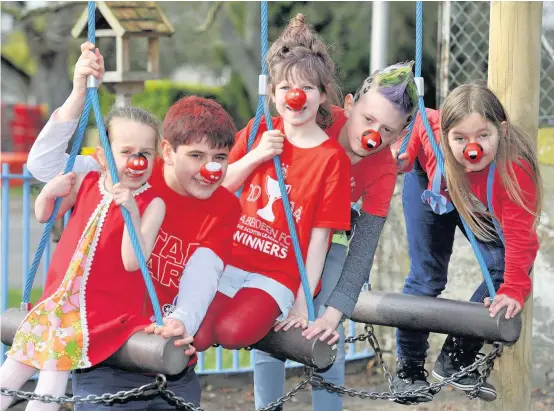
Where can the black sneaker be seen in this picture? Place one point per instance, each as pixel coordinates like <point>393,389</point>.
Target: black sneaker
<point>458,353</point>
<point>411,375</point>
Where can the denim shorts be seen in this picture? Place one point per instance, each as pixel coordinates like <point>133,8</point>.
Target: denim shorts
<point>233,279</point>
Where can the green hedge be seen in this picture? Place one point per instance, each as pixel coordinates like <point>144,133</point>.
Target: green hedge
<point>159,95</point>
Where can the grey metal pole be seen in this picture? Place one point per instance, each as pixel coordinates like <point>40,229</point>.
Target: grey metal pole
<point>437,315</point>
<point>141,353</point>
<point>379,34</point>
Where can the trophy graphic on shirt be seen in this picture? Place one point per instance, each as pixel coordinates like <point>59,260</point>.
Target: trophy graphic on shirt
<point>274,194</point>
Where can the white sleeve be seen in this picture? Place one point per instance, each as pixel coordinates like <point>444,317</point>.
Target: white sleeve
<point>47,157</point>
<point>197,288</point>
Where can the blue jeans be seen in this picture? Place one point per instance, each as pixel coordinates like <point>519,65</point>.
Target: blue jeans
<point>102,379</point>
<point>269,372</point>
<point>430,241</point>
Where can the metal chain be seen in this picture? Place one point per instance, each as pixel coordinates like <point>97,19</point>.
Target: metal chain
<point>159,386</point>
<point>486,372</point>
<point>145,390</point>
<point>318,381</point>
<point>309,373</point>
<point>370,337</point>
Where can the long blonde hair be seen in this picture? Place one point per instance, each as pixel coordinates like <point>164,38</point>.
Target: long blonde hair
<point>514,146</point>
<point>301,50</point>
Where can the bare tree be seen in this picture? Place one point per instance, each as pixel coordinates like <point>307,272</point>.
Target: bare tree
<point>48,32</point>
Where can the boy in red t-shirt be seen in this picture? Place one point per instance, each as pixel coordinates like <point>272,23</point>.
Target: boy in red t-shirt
<point>262,283</point>
<point>194,240</point>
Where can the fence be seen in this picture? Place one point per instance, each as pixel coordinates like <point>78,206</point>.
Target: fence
<point>213,361</point>
<point>463,38</point>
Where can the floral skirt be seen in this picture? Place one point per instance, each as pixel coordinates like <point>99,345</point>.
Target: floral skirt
<point>51,336</point>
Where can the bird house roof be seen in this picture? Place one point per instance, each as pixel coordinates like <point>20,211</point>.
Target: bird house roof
<point>126,18</point>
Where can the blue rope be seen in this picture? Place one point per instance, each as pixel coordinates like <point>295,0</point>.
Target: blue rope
<point>92,100</point>
<point>261,110</point>
<point>438,151</point>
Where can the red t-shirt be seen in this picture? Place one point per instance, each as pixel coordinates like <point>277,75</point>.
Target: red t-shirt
<point>521,242</point>
<point>373,178</point>
<point>317,186</point>
<point>189,223</point>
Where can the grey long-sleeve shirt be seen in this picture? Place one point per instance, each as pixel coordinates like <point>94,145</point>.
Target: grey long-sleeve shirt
<point>366,232</point>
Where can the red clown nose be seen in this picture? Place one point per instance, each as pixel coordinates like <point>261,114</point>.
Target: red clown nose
<point>295,99</point>
<point>137,164</point>
<point>211,172</point>
<point>473,152</point>
<point>371,140</point>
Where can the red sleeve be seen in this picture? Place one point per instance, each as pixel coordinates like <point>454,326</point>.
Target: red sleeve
<point>378,194</point>
<point>414,145</point>
<point>521,243</point>
<point>219,236</point>
<point>241,139</point>
<point>334,204</point>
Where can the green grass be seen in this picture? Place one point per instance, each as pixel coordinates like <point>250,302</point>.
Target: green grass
<point>14,296</point>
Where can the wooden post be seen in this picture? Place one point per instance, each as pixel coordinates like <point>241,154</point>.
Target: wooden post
<point>153,65</point>
<point>514,75</point>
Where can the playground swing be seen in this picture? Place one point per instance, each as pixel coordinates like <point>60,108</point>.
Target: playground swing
<point>148,352</point>
<point>144,352</point>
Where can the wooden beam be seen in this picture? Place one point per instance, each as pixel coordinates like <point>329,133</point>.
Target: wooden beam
<point>153,65</point>
<point>105,33</point>
<point>122,59</point>
<point>514,75</point>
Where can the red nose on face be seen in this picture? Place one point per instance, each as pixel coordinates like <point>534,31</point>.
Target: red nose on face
<point>371,139</point>
<point>473,152</point>
<point>137,164</point>
<point>211,172</point>
<point>295,99</point>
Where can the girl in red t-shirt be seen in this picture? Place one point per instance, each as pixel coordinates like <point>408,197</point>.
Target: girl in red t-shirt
<point>493,180</point>
<point>262,282</point>
<point>481,147</point>
<point>94,293</point>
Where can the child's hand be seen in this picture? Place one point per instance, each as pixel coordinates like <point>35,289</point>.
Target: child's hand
<point>123,196</point>
<point>61,185</point>
<point>402,163</point>
<point>90,63</point>
<point>501,301</point>
<point>270,145</point>
<point>327,323</point>
<point>297,318</point>
<point>173,328</point>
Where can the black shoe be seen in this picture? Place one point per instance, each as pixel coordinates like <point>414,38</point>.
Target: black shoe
<point>458,353</point>
<point>411,375</point>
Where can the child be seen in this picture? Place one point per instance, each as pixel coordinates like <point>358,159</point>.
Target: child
<point>262,282</point>
<point>385,102</point>
<point>471,114</point>
<point>194,239</point>
<point>82,318</point>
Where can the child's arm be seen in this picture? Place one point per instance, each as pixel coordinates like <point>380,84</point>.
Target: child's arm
<point>271,145</point>
<point>315,260</point>
<point>521,244</point>
<point>63,185</point>
<point>146,227</point>
<point>406,159</point>
<point>48,157</point>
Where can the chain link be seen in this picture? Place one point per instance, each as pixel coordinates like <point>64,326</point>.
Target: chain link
<point>145,390</point>
<point>159,386</point>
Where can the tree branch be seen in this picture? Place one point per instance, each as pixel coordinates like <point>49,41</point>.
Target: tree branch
<point>210,18</point>
<point>22,15</point>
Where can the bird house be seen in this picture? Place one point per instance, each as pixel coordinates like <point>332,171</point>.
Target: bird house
<point>124,20</point>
